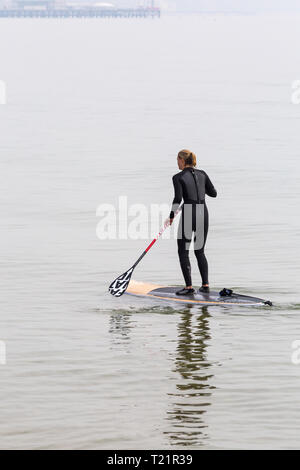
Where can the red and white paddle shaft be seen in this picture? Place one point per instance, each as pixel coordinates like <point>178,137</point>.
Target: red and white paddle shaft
<point>166,224</point>
<point>119,285</point>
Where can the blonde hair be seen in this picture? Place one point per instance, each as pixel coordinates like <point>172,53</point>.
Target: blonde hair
<point>188,157</point>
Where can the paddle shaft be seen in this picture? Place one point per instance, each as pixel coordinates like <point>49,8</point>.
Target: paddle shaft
<point>154,240</point>
<point>119,285</point>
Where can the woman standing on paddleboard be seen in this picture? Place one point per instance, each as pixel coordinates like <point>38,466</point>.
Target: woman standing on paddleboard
<point>191,185</point>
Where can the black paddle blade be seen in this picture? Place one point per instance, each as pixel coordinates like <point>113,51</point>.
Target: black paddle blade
<point>119,285</point>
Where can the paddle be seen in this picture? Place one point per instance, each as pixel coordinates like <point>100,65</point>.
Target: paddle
<point>119,285</point>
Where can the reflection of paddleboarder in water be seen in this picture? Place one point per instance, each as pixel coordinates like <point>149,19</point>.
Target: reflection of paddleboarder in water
<point>192,396</point>
<point>191,185</point>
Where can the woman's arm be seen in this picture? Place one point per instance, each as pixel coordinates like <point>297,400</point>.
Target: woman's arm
<point>210,190</point>
<point>177,195</point>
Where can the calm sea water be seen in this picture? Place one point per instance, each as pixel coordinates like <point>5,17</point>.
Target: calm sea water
<point>97,109</point>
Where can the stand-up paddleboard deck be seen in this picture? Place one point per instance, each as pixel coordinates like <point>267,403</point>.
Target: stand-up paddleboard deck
<point>155,291</point>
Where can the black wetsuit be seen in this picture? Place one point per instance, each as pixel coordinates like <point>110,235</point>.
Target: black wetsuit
<point>191,185</point>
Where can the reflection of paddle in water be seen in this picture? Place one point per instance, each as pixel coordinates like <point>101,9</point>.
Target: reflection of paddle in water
<point>192,397</point>
<point>121,322</point>
<point>120,325</point>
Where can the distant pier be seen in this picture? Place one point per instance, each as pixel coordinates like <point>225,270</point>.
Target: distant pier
<point>84,12</point>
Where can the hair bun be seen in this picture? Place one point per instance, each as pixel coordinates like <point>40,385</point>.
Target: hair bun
<point>188,157</point>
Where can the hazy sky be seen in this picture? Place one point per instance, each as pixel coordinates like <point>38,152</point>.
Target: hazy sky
<point>230,5</point>
<point>245,6</point>
<point>215,5</point>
